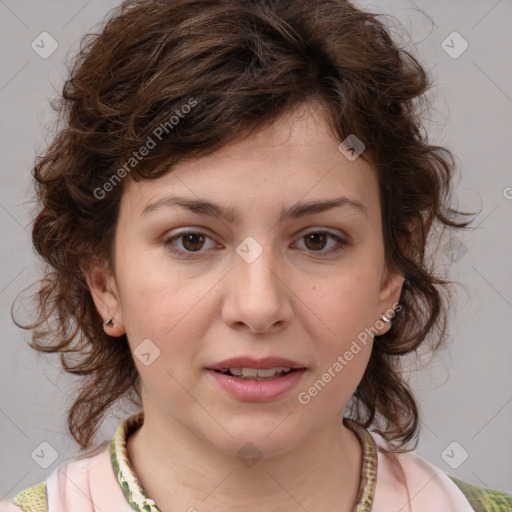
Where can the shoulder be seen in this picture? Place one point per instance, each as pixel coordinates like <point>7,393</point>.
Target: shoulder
<point>483,499</point>
<point>32,499</point>
<point>410,479</point>
<point>78,468</point>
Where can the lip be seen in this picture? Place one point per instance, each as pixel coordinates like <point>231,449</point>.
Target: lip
<point>258,391</point>
<point>249,362</point>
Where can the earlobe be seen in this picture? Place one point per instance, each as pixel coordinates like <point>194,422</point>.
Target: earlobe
<point>104,293</point>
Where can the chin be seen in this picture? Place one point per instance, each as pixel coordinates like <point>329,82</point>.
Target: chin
<point>257,440</point>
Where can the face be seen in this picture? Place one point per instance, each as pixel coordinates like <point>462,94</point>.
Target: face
<point>258,277</point>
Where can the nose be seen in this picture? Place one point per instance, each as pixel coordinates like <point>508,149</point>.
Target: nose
<point>258,295</point>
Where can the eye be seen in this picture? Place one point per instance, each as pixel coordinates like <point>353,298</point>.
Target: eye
<point>315,241</point>
<point>190,241</point>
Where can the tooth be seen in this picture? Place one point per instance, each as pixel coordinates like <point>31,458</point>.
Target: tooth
<point>257,373</point>
<point>270,372</point>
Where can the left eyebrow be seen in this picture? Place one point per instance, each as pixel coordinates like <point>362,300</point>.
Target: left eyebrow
<point>298,210</point>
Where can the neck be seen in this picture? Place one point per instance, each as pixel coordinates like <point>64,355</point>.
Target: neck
<point>181,471</point>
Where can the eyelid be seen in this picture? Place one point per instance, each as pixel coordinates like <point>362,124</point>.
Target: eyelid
<point>320,229</point>
<point>167,239</point>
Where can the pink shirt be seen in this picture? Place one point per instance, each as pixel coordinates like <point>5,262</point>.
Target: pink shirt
<point>89,484</point>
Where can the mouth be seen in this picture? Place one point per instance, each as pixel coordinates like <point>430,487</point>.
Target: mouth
<point>257,374</point>
<point>251,379</point>
<point>257,384</point>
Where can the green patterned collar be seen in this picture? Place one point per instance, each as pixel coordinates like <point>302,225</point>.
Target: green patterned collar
<point>140,502</point>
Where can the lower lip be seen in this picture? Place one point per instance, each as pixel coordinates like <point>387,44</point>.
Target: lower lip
<point>258,391</point>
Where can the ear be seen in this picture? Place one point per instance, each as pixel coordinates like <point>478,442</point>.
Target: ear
<point>389,295</point>
<point>392,280</point>
<point>102,285</point>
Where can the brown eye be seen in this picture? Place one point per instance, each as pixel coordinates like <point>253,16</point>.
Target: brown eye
<point>315,241</point>
<point>192,241</point>
<point>189,242</point>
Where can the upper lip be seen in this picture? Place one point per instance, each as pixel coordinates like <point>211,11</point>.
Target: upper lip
<point>249,362</point>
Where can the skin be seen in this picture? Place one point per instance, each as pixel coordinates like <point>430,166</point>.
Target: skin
<point>289,302</point>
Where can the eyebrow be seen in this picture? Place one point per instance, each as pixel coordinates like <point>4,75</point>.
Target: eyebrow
<point>298,210</point>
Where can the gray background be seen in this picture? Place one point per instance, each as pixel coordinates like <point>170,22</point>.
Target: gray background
<point>465,394</point>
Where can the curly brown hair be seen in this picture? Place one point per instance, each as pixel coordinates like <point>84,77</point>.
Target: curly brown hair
<point>242,64</point>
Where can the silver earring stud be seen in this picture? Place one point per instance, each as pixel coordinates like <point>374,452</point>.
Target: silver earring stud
<point>385,318</point>
<point>109,323</point>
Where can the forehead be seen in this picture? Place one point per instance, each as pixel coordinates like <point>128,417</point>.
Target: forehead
<point>294,159</point>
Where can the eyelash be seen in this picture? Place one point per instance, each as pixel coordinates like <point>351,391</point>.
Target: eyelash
<point>191,254</point>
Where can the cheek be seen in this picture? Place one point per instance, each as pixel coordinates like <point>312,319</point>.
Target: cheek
<point>346,305</point>
<point>344,314</point>
<point>160,314</point>
<point>148,289</point>
<point>159,304</point>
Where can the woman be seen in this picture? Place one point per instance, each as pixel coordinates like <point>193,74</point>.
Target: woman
<point>235,218</point>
